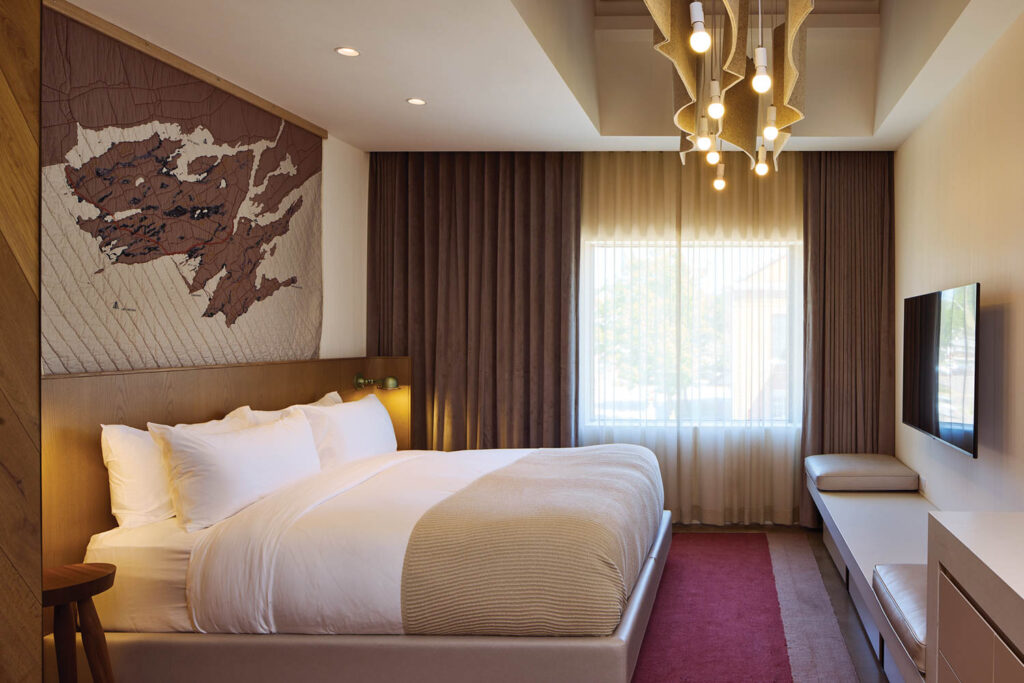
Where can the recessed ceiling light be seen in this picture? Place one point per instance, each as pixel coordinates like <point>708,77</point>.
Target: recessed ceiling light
<point>347,51</point>
<point>419,102</point>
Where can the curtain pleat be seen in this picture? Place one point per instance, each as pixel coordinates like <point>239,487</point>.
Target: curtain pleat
<point>849,336</point>
<point>690,328</point>
<point>473,272</point>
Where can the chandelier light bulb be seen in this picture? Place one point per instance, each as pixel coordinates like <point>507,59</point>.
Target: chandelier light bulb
<point>771,131</point>
<point>713,156</point>
<point>703,139</point>
<point>700,39</point>
<point>762,82</point>
<point>716,109</point>
<point>719,182</point>
<point>762,165</point>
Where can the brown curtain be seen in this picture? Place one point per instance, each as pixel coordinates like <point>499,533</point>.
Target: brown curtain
<point>473,272</point>
<point>849,328</point>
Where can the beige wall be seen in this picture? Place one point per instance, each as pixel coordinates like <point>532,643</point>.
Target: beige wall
<point>911,30</point>
<point>959,219</point>
<point>346,174</point>
<point>565,30</point>
<point>840,70</point>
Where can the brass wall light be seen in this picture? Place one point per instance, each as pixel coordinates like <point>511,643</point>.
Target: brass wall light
<point>386,383</point>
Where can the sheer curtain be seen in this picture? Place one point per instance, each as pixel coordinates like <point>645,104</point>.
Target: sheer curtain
<point>691,326</point>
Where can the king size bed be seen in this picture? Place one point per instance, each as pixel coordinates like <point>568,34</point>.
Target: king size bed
<point>500,565</point>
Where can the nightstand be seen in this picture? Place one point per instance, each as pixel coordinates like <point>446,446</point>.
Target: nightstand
<point>65,589</point>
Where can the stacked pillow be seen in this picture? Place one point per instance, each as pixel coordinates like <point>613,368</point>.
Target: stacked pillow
<point>216,475</point>
<point>203,473</point>
<point>259,417</point>
<point>140,492</point>
<point>351,431</point>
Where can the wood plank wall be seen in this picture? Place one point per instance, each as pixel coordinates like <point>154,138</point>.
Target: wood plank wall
<point>20,542</point>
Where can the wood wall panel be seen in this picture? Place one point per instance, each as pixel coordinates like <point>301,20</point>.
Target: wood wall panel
<point>19,48</point>
<point>19,151</point>
<point>20,538</point>
<point>76,495</point>
<point>18,375</point>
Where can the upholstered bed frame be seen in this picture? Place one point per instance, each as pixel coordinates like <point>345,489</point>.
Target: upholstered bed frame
<point>76,505</point>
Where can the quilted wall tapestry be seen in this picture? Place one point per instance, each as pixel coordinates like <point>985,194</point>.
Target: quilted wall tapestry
<point>180,224</point>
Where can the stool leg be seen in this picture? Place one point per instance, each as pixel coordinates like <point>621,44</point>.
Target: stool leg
<point>95,643</point>
<point>64,642</point>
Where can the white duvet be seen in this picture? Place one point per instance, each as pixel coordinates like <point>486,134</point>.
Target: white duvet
<point>325,555</point>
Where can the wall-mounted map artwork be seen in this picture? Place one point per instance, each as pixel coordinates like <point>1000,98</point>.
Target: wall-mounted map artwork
<point>180,224</point>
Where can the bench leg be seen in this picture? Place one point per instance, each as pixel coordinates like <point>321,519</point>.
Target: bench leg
<point>64,642</point>
<point>95,643</point>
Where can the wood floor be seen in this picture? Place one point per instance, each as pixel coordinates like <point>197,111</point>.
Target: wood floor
<point>868,669</point>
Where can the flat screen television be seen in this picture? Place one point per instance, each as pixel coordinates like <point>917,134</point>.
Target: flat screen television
<point>940,365</point>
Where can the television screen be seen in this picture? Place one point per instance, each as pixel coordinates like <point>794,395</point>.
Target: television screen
<point>940,369</point>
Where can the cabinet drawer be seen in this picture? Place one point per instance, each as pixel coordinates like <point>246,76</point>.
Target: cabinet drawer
<point>965,638</point>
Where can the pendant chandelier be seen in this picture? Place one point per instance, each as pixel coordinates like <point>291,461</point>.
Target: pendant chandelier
<point>722,95</point>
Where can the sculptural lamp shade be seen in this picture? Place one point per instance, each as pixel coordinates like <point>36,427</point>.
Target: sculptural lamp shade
<point>716,109</point>
<point>719,182</point>
<point>700,39</point>
<point>386,383</point>
<point>761,168</point>
<point>771,131</point>
<point>731,43</point>
<point>762,82</point>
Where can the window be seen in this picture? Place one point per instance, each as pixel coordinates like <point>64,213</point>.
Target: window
<point>691,333</point>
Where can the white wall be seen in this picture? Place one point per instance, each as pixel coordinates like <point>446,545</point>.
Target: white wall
<point>959,219</point>
<point>345,189</point>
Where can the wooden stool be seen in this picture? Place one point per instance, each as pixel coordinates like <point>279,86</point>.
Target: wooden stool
<point>63,589</point>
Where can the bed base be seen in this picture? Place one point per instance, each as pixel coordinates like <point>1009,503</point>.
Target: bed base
<point>173,657</point>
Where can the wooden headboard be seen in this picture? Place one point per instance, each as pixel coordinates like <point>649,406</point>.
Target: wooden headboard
<point>76,495</point>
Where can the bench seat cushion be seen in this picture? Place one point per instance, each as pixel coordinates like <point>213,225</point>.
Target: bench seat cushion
<point>902,590</point>
<point>860,472</point>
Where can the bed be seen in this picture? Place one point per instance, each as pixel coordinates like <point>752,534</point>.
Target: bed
<point>393,595</point>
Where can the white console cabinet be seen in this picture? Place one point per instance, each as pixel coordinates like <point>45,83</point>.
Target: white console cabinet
<point>975,597</point>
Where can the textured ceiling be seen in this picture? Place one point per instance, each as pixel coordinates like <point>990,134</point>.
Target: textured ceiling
<point>519,74</point>
<point>636,7</point>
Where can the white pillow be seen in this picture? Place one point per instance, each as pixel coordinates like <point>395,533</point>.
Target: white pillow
<point>351,431</point>
<point>139,490</point>
<point>262,417</point>
<point>213,476</point>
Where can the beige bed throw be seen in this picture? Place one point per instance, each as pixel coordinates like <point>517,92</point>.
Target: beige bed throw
<point>550,545</point>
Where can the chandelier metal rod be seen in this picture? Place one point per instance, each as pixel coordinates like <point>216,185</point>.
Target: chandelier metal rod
<point>760,28</point>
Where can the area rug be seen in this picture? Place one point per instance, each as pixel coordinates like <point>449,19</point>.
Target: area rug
<point>736,607</point>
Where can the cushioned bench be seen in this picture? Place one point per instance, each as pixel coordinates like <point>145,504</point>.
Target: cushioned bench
<point>874,516</point>
<point>902,590</point>
<point>860,472</point>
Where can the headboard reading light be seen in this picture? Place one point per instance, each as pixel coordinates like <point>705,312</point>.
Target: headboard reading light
<point>386,383</point>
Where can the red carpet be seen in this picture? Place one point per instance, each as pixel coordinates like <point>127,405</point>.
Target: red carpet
<point>716,617</point>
